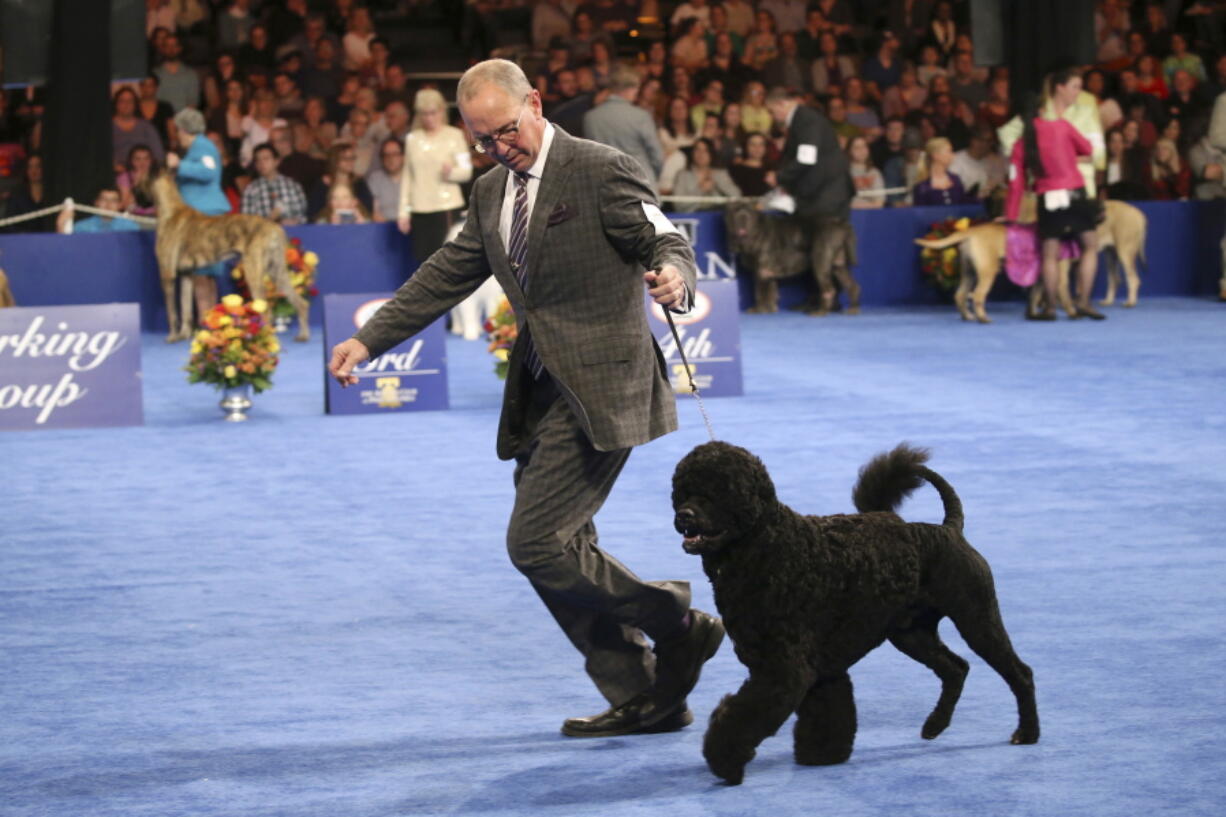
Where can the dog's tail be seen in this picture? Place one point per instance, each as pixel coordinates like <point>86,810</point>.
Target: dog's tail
<point>941,243</point>
<point>891,477</point>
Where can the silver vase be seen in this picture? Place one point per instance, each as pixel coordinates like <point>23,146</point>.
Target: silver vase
<point>235,401</point>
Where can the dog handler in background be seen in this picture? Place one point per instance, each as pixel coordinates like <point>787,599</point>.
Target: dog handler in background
<point>567,227</point>
<point>198,175</point>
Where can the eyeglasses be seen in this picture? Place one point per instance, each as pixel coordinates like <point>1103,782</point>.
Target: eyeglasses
<point>506,135</point>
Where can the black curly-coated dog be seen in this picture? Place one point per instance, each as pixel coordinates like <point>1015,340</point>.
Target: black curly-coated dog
<point>806,597</point>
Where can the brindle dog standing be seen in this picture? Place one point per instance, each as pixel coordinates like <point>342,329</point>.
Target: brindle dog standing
<point>775,247</point>
<point>188,240</point>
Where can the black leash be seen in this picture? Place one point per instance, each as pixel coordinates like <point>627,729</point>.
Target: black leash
<point>689,372</point>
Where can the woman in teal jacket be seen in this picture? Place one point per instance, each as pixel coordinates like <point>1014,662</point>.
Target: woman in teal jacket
<point>198,175</point>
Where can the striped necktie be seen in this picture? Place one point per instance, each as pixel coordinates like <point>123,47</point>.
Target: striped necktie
<point>517,252</point>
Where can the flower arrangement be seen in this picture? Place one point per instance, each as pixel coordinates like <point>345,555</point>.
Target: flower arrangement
<point>501,331</point>
<point>940,267</point>
<point>301,266</point>
<point>236,347</point>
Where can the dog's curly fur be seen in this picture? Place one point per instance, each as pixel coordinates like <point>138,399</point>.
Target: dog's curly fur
<point>775,247</point>
<point>806,597</point>
<point>188,240</point>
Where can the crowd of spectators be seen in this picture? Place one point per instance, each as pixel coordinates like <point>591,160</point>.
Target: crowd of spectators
<point>310,110</point>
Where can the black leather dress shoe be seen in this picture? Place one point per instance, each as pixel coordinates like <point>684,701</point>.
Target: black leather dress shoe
<point>640,714</point>
<point>679,660</point>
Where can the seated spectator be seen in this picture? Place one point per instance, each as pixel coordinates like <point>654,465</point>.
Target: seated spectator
<point>299,166</point>
<point>1185,103</point>
<point>1156,30</point>
<point>364,99</point>
<point>566,83</point>
<point>1129,97</point>
<point>1181,59</point>
<point>306,42</point>
<point>569,115</point>
<point>394,123</point>
<point>964,84</point>
<point>271,195</point>
<point>859,112</point>
<point>108,199</point>
<point>681,83</point>
<point>864,176</point>
<point>981,168</point>
<point>838,17</point>
<point>380,57</point>
<point>547,77</point>
<point>726,68</point>
<point>1149,78</point>
<point>356,42</point>
<point>384,181</point>
<point>755,116</point>
<point>905,170</point>
<point>178,83</point>
<point>657,61</point>
<point>1127,174</point>
<point>154,110</point>
<point>314,134</point>
<point>740,16</point>
<point>904,97</point>
<point>808,38</point>
<point>789,69</point>
<point>257,127</point>
<point>128,129</point>
<point>257,52</point>
<point>602,60</point>
<point>1217,83</point>
<point>1111,31</point>
<point>29,197</point>
<point>1208,165</point>
<point>343,207</point>
<point>225,68</point>
<point>1170,178</point>
<point>289,96</point>
<point>1109,111</point>
<point>702,178</point>
<point>942,31</point>
<point>937,186</point>
<point>228,119</point>
<point>712,103</point>
<point>723,150</point>
<point>678,131</point>
<point>731,134</point>
<point>948,123</point>
<point>324,76</point>
<point>831,69</point>
<point>136,181</point>
<point>651,99</point>
<point>583,33</point>
<point>762,45</point>
<point>717,25</point>
<point>395,87</point>
<point>550,22</point>
<point>836,112</point>
<point>689,48</point>
<point>342,158</point>
<point>752,173</point>
<point>339,106</point>
<point>929,65</point>
<point>890,144</point>
<point>883,70</point>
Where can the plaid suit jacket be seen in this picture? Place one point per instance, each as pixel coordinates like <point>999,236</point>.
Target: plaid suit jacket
<point>589,241</point>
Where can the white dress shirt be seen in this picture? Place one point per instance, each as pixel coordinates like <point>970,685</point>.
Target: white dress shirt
<point>534,184</point>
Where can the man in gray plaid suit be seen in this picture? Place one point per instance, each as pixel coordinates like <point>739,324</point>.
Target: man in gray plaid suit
<point>567,227</point>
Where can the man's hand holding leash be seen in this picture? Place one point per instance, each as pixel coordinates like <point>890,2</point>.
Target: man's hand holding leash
<point>345,356</point>
<point>666,286</point>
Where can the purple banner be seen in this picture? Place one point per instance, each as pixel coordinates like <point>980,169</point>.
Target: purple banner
<point>70,367</point>
<point>409,377</point>
<point>710,337</point>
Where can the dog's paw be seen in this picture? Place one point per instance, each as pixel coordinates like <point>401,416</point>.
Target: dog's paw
<point>935,725</point>
<point>1025,735</point>
<point>730,772</point>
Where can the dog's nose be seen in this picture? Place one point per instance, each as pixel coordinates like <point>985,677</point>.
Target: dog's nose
<point>683,522</point>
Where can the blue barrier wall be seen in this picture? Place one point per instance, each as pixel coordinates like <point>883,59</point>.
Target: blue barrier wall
<point>1182,249</point>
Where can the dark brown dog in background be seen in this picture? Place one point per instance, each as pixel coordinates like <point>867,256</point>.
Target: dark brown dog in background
<point>776,247</point>
<point>188,240</point>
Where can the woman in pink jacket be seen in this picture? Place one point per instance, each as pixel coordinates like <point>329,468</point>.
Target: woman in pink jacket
<point>1045,159</point>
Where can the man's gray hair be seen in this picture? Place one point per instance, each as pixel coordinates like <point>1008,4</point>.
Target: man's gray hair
<point>623,78</point>
<point>505,74</point>
<point>190,120</point>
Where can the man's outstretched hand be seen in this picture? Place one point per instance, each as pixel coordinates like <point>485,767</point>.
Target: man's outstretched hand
<point>344,357</point>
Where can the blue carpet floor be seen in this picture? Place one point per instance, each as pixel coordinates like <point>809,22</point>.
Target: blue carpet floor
<point>312,615</point>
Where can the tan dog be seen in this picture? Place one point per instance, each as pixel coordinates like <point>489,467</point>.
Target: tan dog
<point>188,240</point>
<point>984,249</point>
<point>6,294</point>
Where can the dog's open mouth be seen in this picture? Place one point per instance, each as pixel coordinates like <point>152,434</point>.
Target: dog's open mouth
<point>695,539</point>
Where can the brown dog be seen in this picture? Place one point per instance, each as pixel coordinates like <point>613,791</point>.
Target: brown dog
<point>6,294</point>
<point>983,248</point>
<point>188,240</point>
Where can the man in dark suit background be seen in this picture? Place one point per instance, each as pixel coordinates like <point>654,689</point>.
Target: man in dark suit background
<point>567,227</point>
<point>815,172</point>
